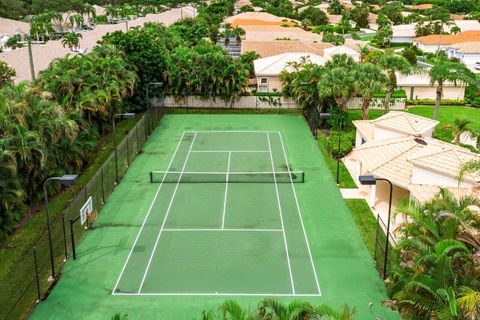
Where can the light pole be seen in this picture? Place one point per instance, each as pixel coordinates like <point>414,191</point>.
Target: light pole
<point>128,115</point>
<point>370,180</point>
<point>153,84</point>
<point>340,124</point>
<point>66,179</point>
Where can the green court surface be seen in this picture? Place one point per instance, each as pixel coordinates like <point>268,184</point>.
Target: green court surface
<point>237,206</point>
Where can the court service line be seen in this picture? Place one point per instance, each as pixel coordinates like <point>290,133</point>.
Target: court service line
<point>232,151</point>
<point>148,214</point>
<point>166,215</point>
<point>221,294</point>
<point>220,230</point>
<point>281,215</point>
<point>300,215</point>
<point>230,131</point>
<point>226,191</point>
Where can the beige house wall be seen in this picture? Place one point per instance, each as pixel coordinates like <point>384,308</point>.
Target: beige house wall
<point>274,84</point>
<point>453,93</point>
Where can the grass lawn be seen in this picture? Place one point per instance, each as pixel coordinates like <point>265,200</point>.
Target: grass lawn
<point>447,115</point>
<point>364,220</point>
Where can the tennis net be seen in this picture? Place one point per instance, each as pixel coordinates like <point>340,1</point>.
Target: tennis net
<point>224,177</point>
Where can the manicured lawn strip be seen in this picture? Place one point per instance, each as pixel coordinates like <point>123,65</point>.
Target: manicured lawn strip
<point>447,115</point>
<point>365,221</point>
<point>346,180</point>
<point>14,248</point>
<point>232,111</point>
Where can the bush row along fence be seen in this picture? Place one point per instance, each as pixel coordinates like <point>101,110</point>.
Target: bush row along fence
<point>377,103</point>
<point>30,281</point>
<point>269,102</point>
<point>242,102</point>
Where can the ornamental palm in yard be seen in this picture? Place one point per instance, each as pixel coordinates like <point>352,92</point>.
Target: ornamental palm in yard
<point>337,80</point>
<point>438,276</point>
<point>392,64</point>
<point>449,71</point>
<point>71,40</point>
<point>368,80</point>
<point>273,309</point>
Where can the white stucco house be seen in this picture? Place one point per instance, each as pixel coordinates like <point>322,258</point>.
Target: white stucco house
<point>399,147</point>
<point>328,53</point>
<point>466,52</point>
<point>267,70</point>
<point>403,33</point>
<point>417,86</point>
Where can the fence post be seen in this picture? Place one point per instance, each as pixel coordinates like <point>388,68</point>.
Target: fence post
<point>136,137</point>
<point>376,238</point>
<point>128,156</point>
<point>103,187</point>
<point>64,236</point>
<point>74,253</point>
<point>39,296</point>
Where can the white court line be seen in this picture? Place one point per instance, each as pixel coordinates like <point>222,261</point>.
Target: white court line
<point>221,294</point>
<point>281,215</point>
<point>220,230</point>
<point>300,215</point>
<point>166,214</point>
<point>226,191</point>
<point>231,131</point>
<point>232,151</point>
<point>148,214</point>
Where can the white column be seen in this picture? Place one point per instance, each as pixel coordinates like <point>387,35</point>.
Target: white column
<point>373,191</point>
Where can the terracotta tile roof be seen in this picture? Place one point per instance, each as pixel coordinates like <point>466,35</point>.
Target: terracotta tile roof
<point>272,33</point>
<point>334,18</point>
<point>272,66</point>
<point>273,48</point>
<point>445,39</point>
<point>457,16</point>
<point>258,19</point>
<point>467,47</point>
<point>372,17</point>
<point>375,6</point>
<point>10,27</point>
<point>395,158</point>
<point>405,122</point>
<point>424,6</point>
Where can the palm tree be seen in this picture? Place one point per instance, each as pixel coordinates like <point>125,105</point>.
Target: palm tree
<point>393,64</point>
<point>448,71</point>
<point>459,126</point>
<point>72,40</point>
<point>337,80</point>
<point>238,32</point>
<point>227,31</point>
<point>368,80</point>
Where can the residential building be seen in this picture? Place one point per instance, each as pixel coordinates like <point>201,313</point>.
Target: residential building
<point>434,43</point>
<point>259,19</point>
<point>417,86</point>
<point>272,48</point>
<point>9,28</point>
<point>274,33</point>
<point>267,70</point>
<point>399,147</point>
<point>330,52</point>
<point>403,33</point>
<point>467,52</point>
<point>424,6</point>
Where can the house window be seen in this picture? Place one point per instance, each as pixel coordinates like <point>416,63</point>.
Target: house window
<point>263,87</point>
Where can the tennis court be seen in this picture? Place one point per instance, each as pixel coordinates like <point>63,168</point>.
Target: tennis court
<point>225,199</point>
<point>219,207</point>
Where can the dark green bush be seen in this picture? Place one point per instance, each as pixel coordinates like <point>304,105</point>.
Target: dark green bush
<point>431,102</point>
<point>346,144</point>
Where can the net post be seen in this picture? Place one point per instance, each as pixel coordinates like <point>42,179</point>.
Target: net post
<point>39,295</point>
<point>72,234</point>
<point>151,176</point>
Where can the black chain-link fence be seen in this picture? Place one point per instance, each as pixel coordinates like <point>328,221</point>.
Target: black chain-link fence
<point>31,281</point>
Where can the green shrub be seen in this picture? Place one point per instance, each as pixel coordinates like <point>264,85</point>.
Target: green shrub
<point>346,144</point>
<point>431,102</point>
<point>395,94</point>
<point>268,94</point>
